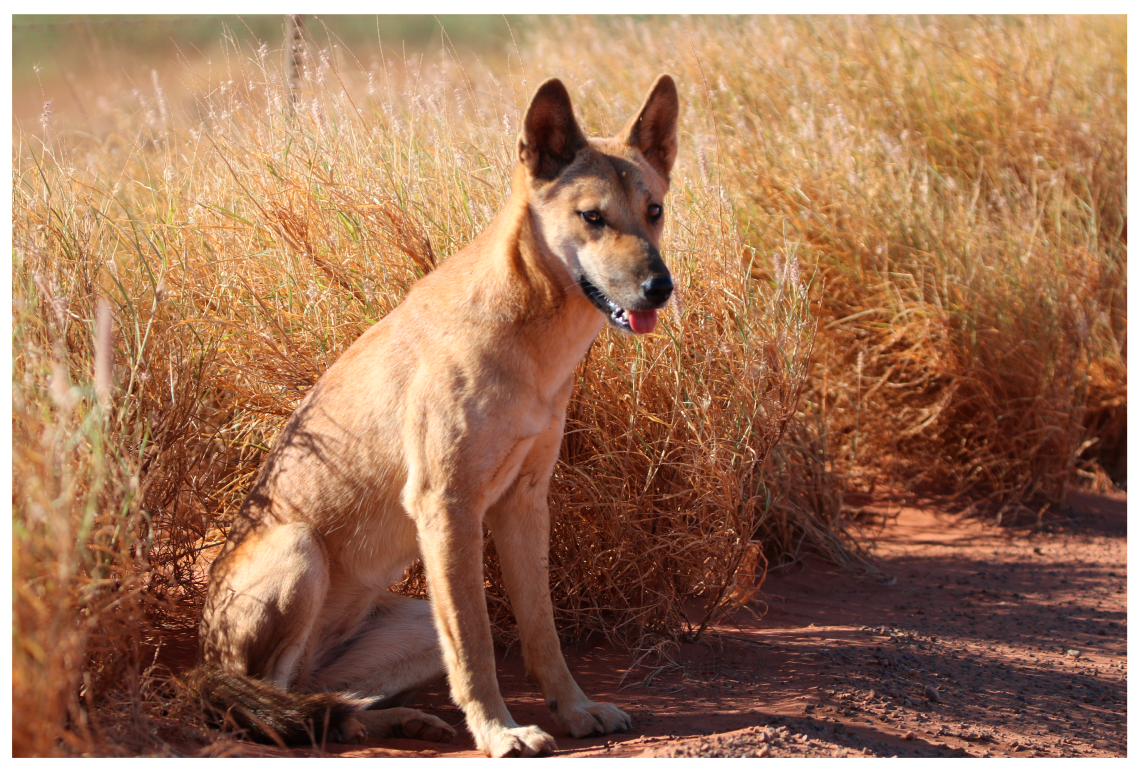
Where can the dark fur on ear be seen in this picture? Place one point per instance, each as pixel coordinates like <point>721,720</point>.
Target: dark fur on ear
<point>550,137</point>
<point>654,130</point>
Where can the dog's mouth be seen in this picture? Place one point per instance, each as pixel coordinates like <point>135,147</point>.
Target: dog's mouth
<point>629,320</point>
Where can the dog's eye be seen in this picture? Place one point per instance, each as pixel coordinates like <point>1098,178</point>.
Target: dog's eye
<point>654,211</point>
<point>593,217</point>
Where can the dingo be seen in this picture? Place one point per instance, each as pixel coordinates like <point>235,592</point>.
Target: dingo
<point>445,415</point>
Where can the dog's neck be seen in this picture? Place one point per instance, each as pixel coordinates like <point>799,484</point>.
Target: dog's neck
<point>528,284</point>
<point>524,255</point>
<point>523,268</point>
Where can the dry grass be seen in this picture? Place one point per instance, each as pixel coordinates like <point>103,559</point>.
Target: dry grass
<point>959,187</point>
<point>955,189</point>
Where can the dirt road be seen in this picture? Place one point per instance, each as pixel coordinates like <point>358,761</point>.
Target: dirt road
<point>976,641</point>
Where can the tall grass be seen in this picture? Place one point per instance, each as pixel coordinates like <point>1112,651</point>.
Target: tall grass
<point>961,186</point>
<point>946,198</point>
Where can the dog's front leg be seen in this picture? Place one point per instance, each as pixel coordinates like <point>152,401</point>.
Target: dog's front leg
<point>519,523</point>
<point>450,540</point>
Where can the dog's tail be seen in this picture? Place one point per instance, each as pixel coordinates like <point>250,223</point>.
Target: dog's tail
<point>270,714</point>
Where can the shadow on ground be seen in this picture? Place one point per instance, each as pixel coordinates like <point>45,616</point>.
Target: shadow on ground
<point>976,641</point>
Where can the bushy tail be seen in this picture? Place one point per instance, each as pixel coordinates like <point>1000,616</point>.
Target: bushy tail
<point>270,714</point>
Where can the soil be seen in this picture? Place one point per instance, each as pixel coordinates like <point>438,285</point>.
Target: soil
<point>973,640</point>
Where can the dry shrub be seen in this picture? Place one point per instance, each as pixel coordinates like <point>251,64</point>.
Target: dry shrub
<point>962,185</point>
<point>94,478</point>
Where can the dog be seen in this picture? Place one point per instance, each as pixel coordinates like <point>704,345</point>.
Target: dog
<point>445,415</point>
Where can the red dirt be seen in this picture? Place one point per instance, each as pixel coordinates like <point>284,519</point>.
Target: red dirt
<point>961,647</point>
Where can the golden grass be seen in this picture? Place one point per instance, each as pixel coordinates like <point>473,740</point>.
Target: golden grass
<point>960,185</point>
<point>953,191</point>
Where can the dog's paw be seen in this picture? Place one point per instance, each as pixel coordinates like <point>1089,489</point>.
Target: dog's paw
<point>403,723</point>
<point>520,741</point>
<point>350,731</point>
<point>593,719</point>
<point>426,727</point>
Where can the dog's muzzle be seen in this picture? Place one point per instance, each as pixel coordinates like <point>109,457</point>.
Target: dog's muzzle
<point>655,291</point>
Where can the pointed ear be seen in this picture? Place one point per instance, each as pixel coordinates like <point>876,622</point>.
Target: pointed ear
<point>550,137</point>
<point>654,131</point>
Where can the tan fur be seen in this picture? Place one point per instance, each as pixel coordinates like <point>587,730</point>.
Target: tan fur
<point>446,414</point>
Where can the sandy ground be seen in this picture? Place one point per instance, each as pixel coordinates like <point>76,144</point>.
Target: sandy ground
<point>977,641</point>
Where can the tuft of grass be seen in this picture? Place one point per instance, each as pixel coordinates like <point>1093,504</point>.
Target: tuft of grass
<point>899,250</point>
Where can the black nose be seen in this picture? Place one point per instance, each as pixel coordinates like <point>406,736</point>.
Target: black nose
<point>657,289</point>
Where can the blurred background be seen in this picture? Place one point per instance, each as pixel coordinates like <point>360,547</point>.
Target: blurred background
<point>80,63</point>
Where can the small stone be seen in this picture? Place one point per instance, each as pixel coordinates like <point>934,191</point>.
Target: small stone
<point>1073,652</point>
<point>931,694</point>
<point>763,751</point>
<point>908,735</point>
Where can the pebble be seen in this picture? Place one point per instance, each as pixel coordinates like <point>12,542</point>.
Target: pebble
<point>763,751</point>
<point>908,735</point>
<point>931,693</point>
<point>1073,652</point>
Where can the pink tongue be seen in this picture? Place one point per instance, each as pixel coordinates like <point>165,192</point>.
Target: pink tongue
<point>642,321</point>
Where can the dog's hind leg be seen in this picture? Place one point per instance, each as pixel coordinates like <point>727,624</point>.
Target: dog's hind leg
<point>263,602</point>
<point>393,654</point>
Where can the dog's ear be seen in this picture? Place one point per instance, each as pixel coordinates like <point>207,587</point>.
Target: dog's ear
<point>550,137</point>
<point>654,130</point>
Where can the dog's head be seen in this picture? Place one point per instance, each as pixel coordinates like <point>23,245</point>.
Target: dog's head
<point>598,203</point>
